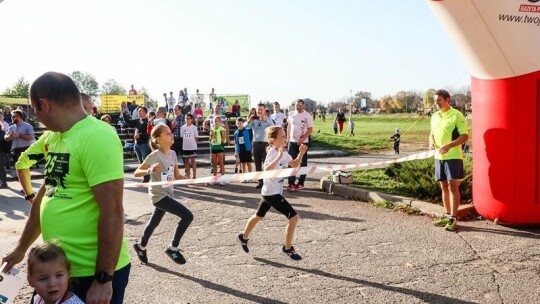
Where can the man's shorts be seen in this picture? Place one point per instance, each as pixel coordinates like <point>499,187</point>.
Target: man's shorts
<point>446,170</point>
<point>245,157</point>
<point>189,153</point>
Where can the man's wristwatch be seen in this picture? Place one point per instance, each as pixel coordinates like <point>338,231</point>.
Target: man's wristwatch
<point>30,196</point>
<point>103,277</point>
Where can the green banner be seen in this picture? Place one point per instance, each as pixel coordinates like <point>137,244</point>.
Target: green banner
<point>243,100</point>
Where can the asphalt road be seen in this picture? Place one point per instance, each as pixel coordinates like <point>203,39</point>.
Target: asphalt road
<point>353,252</point>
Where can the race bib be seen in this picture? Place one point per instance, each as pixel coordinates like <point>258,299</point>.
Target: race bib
<point>167,177</point>
<point>241,140</point>
<point>10,284</point>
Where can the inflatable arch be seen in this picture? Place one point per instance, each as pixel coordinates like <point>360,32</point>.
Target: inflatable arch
<point>500,42</point>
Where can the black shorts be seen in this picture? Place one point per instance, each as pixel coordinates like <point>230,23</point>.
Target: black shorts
<point>189,153</point>
<point>245,157</point>
<point>446,170</point>
<point>278,202</point>
<point>217,151</point>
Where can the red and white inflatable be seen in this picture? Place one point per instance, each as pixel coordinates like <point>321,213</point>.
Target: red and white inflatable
<point>500,42</point>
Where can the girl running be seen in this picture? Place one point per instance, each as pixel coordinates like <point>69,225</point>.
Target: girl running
<point>161,166</point>
<point>217,142</point>
<point>48,273</point>
<point>272,190</point>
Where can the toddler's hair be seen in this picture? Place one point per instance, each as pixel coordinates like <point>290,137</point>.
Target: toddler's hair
<point>272,133</point>
<point>44,253</point>
<point>156,132</point>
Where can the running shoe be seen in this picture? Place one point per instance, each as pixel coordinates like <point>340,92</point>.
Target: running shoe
<point>141,254</point>
<point>291,187</point>
<point>175,255</point>
<point>441,222</point>
<point>451,226</point>
<point>222,183</point>
<point>290,253</point>
<point>299,187</point>
<point>243,242</point>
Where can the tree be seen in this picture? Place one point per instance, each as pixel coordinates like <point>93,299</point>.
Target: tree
<point>428,99</point>
<point>111,87</point>
<point>362,95</point>
<point>386,104</point>
<point>86,82</point>
<point>21,88</point>
<point>400,101</point>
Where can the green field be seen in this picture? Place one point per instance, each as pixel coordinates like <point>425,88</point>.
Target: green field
<point>372,133</point>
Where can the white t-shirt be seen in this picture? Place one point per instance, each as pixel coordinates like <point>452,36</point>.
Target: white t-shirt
<point>171,101</point>
<point>273,186</point>
<point>299,124</point>
<point>278,118</point>
<point>189,134</point>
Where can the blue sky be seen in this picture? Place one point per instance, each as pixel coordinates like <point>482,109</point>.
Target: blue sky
<point>271,50</point>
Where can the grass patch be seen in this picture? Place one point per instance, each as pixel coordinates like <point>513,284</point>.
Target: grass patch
<point>372,132</point>
<point>411,179</point>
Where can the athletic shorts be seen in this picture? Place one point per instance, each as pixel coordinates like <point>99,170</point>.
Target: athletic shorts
<point>278,202</point>
<point>217,151</point>
<point>189,153</point>
<point>446,170</point>
<point>245,157</point>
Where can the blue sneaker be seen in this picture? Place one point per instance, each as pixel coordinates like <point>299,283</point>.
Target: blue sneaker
<point>290,253</point>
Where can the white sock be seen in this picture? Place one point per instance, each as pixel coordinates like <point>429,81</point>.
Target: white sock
<point>141,246</point>
<point>173,248</point>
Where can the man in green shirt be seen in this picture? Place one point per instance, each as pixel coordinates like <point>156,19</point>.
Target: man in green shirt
<point>448,132</point>
<point>80,204</point>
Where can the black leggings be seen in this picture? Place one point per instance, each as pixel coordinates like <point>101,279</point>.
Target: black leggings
<point>168,204</point>
<point>278,202</point>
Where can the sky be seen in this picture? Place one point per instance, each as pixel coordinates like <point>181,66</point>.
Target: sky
<point>271,50</point>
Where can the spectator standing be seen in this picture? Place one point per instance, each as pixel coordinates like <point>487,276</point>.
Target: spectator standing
<point>351,127</point>
<point>242,146</point>
<point>4,150</point>
<point>340,119</point>
<point>80,202</point>
<point>21,135</point>
<point>132,91</point>
<point>161,118</point>
<point>189,133</point>
<point>141,147</point>
<point>258,123</point>
<point>397,139</point>
<point>278,117</point>
<point>217,143</point>
<point>300,128</point>
<point>176,125</point>
<point>171,102</point>
<point>7,115</point>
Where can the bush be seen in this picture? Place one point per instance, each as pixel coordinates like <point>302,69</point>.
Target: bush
<point>416,179</point>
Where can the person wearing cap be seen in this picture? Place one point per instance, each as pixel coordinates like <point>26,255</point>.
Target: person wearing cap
<point>396,137</point>
<point>448,132</point>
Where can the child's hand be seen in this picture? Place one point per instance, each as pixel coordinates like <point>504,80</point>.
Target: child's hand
<point>156,168</point>
<point>303,148</point>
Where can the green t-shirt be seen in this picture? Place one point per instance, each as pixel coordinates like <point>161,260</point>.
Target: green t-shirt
<point>446,127</point>
<point>88,154</point>
<point>216,143</point>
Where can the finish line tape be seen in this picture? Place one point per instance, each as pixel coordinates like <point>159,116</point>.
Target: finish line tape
<point>236,178</point>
